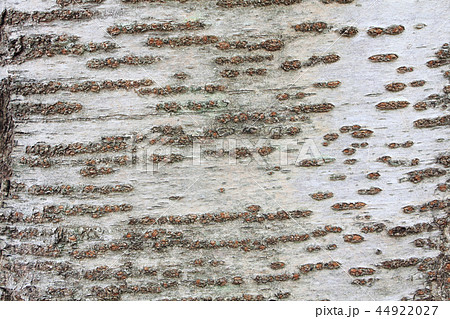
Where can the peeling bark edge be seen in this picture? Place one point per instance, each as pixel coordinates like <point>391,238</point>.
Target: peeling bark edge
<point>439,276</point>
<point>440,291</point>
<point>4,38</point>
<point>7,138</point>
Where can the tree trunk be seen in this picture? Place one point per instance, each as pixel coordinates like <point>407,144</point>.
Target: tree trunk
<point>224,150</point>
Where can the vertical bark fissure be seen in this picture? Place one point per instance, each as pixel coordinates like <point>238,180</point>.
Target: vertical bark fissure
<point>6,142</point>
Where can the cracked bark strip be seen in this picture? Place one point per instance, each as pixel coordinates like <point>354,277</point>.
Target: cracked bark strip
<point>7,138</point>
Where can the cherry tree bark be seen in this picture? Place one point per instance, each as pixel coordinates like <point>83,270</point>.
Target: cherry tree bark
<point>224,150</point>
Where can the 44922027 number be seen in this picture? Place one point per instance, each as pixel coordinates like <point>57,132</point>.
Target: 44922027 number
<point>407,310</point>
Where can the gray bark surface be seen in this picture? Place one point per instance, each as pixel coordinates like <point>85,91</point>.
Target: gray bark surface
<point>112,218</point>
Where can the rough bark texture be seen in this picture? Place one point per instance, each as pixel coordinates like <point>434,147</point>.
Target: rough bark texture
<point>224,150</point>
<point>6,143</point>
